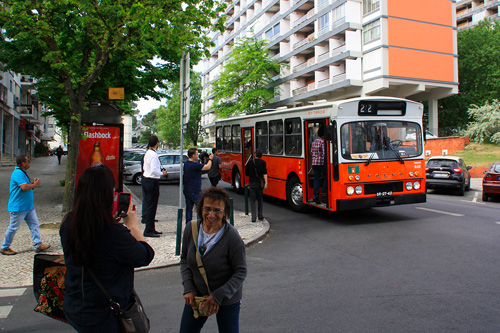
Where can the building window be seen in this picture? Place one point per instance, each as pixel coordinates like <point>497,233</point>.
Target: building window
<point>323,21</point>
<point>338,13</point>
<point>273,32</point>
<point>371,31</point>
<point>370,6</point>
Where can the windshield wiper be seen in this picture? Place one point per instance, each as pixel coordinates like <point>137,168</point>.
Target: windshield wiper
<point>370,159</point>
<point>397,155</point>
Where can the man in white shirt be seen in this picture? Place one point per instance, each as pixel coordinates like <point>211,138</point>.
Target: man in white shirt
<point>151,187</point>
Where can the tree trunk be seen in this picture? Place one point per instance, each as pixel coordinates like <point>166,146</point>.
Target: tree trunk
<point>73,151</point>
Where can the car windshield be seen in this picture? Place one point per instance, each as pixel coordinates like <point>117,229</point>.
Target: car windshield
<point>495,168</point>
<point>132,156</point>
<point>374,140</point>
<point>449,164</point>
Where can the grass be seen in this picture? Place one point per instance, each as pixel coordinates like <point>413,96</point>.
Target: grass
<point>480,154</point>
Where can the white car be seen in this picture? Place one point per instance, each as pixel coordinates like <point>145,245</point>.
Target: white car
<point>169,161</point>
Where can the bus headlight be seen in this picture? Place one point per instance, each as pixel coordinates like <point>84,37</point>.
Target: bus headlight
<point>416,185</point>
<point>350,190</point>
<point>409,186</point>
<point>358,189</point>
<point>411,174</point>
<point>356,177</point>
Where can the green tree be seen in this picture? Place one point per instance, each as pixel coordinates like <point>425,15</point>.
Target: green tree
<point>478,73</point>
<point>145,135</point>
<point>245,88</point>
<point>77,49</point>
<point>169,116</point>
<point>150,120</point>
<point>486,124</point>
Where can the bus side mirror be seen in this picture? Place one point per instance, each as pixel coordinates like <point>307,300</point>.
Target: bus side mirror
<point>330,133</point>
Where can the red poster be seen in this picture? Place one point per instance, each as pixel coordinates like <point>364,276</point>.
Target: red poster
<point>102,145</point>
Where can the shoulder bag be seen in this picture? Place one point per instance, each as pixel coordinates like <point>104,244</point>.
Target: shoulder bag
<point>133,318</point>
<point>200,300</point>
<point>262,181</point>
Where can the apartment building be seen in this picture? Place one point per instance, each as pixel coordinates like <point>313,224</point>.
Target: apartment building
<point>338,49</point>
<point>21,121</point>
<point>470,12</point>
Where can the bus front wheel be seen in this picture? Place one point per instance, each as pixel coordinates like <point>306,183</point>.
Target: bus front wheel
<point>295,195</point>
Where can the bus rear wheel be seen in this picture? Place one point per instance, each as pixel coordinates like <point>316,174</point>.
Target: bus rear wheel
<point>237,182</point>
<point>295,195</point>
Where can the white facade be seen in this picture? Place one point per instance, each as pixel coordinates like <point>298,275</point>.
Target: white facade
<point>470,12</point>
<point>337,49</point>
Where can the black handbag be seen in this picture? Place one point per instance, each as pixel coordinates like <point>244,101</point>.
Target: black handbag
<point>133,319</point>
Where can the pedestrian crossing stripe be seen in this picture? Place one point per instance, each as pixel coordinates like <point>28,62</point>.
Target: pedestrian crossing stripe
<point>5,310</point>
<point>12,292</point>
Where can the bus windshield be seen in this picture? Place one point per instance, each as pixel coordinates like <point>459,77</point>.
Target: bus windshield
<point>380,140</point>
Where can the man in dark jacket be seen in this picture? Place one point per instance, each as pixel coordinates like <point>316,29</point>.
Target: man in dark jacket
<point>256,170</point>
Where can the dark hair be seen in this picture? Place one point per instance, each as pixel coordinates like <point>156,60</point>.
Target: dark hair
<point>20,160</point>
<point>216,194</point>
<point>214,150</point>
<point>191,152</point>
<point>258,153</point>
<point>91,213</point>
<point>152,141</point>
<point>321,132</point>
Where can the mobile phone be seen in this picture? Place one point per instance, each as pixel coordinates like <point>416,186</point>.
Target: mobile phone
<point>121,203</point>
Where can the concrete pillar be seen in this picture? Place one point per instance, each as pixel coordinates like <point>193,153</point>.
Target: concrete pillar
<point>433,116</point>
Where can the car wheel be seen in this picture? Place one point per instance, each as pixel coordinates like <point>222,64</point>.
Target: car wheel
<point>295,195</point>
<point>461,190</point>
<point>467,188</point>
<point>137,179</point>
<point>237,182</point>
<point>485,197</point>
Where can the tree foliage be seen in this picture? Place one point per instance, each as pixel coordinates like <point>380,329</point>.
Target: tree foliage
<point>77,49</point>
<point>245,83</point>
<point>478,71</point>
<point>486,124</point>
<point>169,116</point>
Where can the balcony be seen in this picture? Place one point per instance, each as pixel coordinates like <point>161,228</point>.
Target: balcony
<point>300,67</point>
<point>338,23</point>
<point>299,91</point>
<point>323,4</point>
<point>323,83</point>
<point>339,78</point>
<point>324,56</point>
<point>299,21</point>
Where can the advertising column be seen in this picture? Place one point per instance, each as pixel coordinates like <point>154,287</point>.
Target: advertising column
<point>101,145</point>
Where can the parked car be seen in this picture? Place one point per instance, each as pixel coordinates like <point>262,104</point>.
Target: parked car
<point>132,156</point>
<point>169,161</point>
<point>491,181</point>
<point>447,172</point>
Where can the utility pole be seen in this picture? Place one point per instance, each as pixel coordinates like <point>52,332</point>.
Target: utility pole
<point>185,87</point>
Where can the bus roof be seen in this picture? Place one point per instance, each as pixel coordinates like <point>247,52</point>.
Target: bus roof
<point>329,104</point>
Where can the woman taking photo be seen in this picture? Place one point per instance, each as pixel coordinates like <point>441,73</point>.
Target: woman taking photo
<point>94,240</point>
<point>222,252</point>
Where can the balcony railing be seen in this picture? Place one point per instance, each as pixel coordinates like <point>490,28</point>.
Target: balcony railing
<point>323,4</point>
<point>338,23</point>
<point>301,43</point>
<point>338,78</point>
<point>323,83</point>
<point>323,56</point>
<point>338,50</point>
<point>299,91</point>
<point>300,67</point>
<point>323,30</point>
<point>299,21</point>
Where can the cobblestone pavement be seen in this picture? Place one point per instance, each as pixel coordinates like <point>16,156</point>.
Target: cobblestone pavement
<point>17,270</point>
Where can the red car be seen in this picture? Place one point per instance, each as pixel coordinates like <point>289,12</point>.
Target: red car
<point>491,181</point>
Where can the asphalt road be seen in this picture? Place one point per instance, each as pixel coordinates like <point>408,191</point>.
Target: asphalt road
<point>429,267</point>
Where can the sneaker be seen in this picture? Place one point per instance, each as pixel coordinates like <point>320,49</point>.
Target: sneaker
<point>42,247</point>
<point>7,252</point>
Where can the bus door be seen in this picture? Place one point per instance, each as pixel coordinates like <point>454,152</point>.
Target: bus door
<point>312,127</point>
<point>248,139</point>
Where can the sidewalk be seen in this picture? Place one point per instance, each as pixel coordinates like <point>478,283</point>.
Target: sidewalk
<point>17,270</point>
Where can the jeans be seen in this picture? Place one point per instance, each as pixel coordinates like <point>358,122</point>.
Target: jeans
<point>151,194</point>
<point>16,218</point>
<point>319,170</point>
<point>228,319</point>
<point>256,197</point>
<point>214,180</point>
<point>192,198</point>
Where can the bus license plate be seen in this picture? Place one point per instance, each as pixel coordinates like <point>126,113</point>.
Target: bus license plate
<point>384,194</point>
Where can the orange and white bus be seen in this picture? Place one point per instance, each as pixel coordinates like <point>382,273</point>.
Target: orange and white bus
<point>374,152</point>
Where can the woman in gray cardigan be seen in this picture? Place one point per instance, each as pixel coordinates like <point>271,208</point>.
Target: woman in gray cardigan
<point>223,254</point>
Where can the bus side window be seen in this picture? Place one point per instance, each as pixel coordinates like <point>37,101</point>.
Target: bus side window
<point>236,139</point>
<point>293,137</point>
<point>226,142</point>
<point>261,138</point>
<point>218,141</point>
<point>276,137</point>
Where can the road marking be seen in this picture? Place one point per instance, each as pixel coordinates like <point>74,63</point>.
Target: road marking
<point>497,222</point>
<point>12,292</point>
<point>479,203</point>
<point>439,211</point>
<point>5,310</point>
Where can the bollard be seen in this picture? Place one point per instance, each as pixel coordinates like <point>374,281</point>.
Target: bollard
<point>179,229</point>
<point>246,199</point>
<point>231,217</point>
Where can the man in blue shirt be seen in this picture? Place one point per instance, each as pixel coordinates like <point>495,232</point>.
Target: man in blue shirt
<point>192,180</point>
<point>21,207</point>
